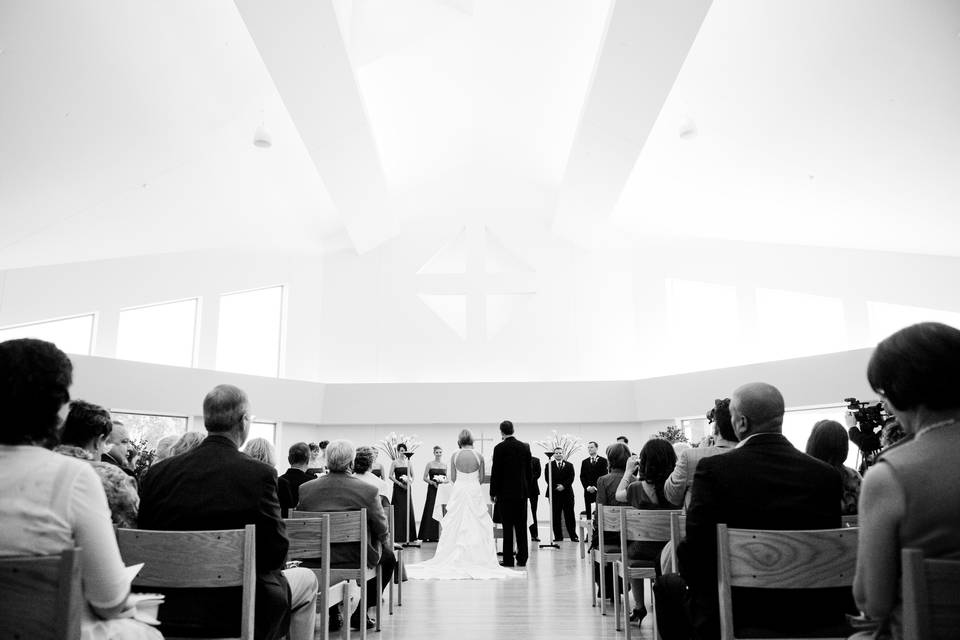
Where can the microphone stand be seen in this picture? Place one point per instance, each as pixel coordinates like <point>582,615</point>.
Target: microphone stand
<point>552,490</point>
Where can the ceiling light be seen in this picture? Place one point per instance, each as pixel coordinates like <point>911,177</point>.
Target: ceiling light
<point>262,138</point>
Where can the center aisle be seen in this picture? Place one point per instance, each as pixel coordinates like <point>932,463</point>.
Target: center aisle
<point>554,602</point>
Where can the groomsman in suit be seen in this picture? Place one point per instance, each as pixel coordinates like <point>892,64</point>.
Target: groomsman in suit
<point>561,484</point>
<point>535,473</point>
<point>591,468</point>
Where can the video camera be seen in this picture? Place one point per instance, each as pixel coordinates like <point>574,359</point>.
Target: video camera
<point>870,420</point>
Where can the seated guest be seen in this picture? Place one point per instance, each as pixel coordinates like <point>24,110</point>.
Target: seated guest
<point>84,436</point>
<point>654,465</point>
<point>829,442</point>
<point>215,486</point>
<point>318,456</point>
<point>678,485</point>
<point>623,440</point>
<point>187,442</point>
<point>288,485</point>
<point>617,456</point>
<point>764,483</point>
<point>261,449</point>
<point>53,502</point>
<point>910,497</point>
<point>340,490</point>
<point>362,468</point>
<point>164,445</point>
<point>121,447</point>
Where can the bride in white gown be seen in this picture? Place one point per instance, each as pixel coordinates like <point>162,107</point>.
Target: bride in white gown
<point>466,550</point>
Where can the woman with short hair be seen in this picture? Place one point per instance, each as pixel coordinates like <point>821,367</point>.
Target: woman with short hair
<point>829,442</point>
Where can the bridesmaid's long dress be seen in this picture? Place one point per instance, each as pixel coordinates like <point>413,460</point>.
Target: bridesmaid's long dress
<point>430,528</point>
<point>406,528</point>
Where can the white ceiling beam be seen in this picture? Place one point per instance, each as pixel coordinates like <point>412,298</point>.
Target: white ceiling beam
<point>643,51</point>
<point>303,49</point>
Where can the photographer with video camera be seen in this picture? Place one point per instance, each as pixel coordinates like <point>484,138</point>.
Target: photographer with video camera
<point>910,497</point>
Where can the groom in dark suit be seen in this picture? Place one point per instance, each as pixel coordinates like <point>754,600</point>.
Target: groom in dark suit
<point>560,484</point>
<point>510,486</point>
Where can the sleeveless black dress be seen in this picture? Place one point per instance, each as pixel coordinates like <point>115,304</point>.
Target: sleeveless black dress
<point>406,528</point>
<point>430,528</point>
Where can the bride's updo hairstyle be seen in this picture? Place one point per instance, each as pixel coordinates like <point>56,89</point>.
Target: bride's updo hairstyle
<point>465,438</point>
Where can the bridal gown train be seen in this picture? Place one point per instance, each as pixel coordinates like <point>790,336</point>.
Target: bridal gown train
<point>466,548</point>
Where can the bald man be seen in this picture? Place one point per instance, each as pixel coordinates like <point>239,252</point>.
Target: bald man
<point>764,483</point>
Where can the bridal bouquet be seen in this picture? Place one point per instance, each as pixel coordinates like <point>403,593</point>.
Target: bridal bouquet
<point>389,444</point>
<point>567,443</point>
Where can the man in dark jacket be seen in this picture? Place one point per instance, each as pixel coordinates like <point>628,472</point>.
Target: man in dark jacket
<point>764,483</point>
<point>288,485</point>
<point>215,486</point>
<point>592,467</point>
<point>510,484</point>
<point>535,473</point>
<point>560,485</point>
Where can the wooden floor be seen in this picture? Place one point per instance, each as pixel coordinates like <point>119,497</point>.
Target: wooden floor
<point>553,602</point>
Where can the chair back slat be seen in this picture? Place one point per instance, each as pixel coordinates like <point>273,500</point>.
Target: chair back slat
<point>643,525</point>
<point>790,559</point>
<point>345,526</point>
<point>931,596</point>
<point>40,597</point>
<point>678,531</point>
<point>309,538</point>
<point>608,519</point>
<point>200,559</point>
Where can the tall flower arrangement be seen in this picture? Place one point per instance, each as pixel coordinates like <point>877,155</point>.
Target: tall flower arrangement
<point>390,443</point>
<point>142,456</point>
<point>672,434</point>
<point>567,443</point>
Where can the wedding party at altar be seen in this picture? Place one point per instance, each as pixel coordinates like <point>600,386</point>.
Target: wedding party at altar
<point>540,319</point>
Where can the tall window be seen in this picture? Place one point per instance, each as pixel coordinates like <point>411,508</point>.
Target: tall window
<point>885,318</point>
<point>794,324</point>
<point>262,429</point>
<point>249,337</point>
<point>73,335</point>
<point>151,426</point>
<point>159,333</point>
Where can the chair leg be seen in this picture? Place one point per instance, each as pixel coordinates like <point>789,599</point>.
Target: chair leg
<point>390,589</point>
<point>593,587</point>
<point>363,607</point>
<point>603,588</point>
<point>653,612</point>
<point>324,616</point>
<point>616,595</point>
<point>399,579</point>
<point>379,597</point>
<point>626,599</point>
<point>345,616</point>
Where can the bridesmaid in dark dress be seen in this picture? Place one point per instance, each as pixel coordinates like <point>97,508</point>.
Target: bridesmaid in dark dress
<point>430,528</point>
<point>406,524</point>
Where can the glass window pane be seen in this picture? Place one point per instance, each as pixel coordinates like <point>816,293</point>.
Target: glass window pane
<point>248,338</point>
<point>149,427</point>
<point>266,430</point>
<point>72,335</point>
<point>702,325</point>
<point>793,324</point>
<point>160,333</point>
<point>885,318</point>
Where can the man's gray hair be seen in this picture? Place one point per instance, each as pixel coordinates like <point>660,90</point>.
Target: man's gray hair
<point>223,408</point>
<point>340,455</point>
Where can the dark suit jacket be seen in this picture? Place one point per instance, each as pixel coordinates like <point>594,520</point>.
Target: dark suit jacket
<point>510,474</point>
<point>288,488</point>
<point>564,477</point>
<point>590,472</point>
<point>763,484</point>
<point>216,486</point>
<point>535,472</point>
<point>346,492</point>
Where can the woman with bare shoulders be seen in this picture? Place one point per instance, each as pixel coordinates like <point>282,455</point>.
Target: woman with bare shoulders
<point>466,550</point>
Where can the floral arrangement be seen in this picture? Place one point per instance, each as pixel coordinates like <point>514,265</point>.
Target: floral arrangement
<point>142,457</point>
<point>672,434</point>
<point>567,443</point>
<point>389,444</point>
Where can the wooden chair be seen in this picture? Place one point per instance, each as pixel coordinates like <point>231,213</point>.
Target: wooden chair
<point>678,531</point>
<point>195,559</point>
<point>397,580</point>
<point>638,525</point>
<point>584,530</point>
<point>816,559</point>
<point>931,596</point>
<point>310,540</point>
<point>351,526</point>
<point>849,521</point>
<point>608,520</point>
<point>40,597</point>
